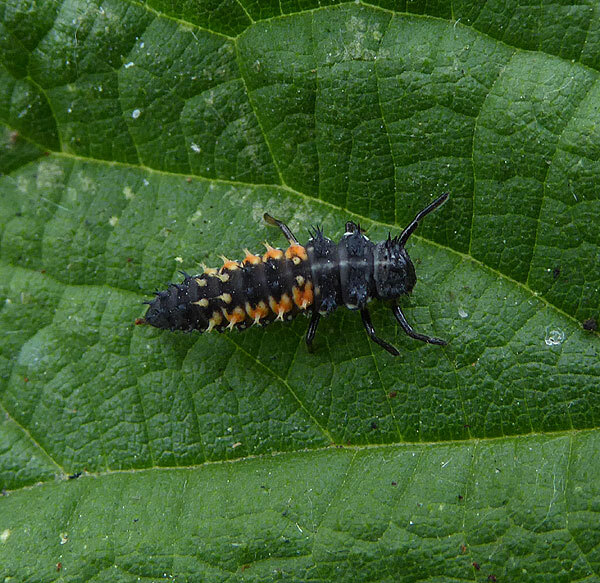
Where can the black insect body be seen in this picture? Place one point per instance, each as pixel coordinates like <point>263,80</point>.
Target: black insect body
<point>315,278</point>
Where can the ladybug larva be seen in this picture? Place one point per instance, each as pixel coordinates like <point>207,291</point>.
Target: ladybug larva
<point>313,279</point>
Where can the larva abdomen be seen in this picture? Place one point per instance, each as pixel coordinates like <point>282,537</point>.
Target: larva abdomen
<point>256,291</point>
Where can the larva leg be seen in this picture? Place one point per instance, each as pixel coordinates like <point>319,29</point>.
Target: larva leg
<point>412,333</point>
<point>284,229</point>
<point>366,318</point>
<point>415,222</point>
<point>312,328</point>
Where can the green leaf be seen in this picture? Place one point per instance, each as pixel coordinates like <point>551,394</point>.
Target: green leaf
<point>141,139</point>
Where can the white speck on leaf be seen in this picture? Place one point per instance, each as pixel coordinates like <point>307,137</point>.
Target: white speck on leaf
<point>196,216</point>
<point>462,313</point>
<point>554,337</point>
<point>113,221</point>
<point>128,65</point>
<point>5,534</point>
<point>135,113</point>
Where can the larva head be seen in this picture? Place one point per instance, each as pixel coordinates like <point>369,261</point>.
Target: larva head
<point>393,272</point>
<point>157,314</point>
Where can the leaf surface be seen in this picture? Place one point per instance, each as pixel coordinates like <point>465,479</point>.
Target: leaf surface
<point>138,140</point>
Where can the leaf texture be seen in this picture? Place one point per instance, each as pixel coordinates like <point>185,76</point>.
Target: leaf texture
<point>141,139</point>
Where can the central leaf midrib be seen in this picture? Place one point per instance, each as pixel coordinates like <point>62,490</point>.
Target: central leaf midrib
<point>342,449</point>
